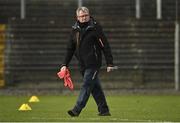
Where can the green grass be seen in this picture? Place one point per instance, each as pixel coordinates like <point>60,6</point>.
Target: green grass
<point>123,108</point>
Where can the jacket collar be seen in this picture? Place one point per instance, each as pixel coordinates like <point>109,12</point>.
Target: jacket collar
<point>91,25</point>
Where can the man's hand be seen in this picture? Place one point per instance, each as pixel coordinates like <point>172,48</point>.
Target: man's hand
<point>109,69</point>
<point>63,68</point>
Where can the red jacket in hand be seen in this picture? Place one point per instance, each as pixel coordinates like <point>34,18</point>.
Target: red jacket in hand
<point>65,74</point>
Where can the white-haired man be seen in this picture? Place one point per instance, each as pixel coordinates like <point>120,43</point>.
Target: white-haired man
<point>87,42</point>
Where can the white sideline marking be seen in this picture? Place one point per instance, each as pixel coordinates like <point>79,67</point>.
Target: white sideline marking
<point>95,118</point>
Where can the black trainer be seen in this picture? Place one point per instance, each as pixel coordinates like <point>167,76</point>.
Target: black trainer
<point>104,114</point>
<point>73,113</point>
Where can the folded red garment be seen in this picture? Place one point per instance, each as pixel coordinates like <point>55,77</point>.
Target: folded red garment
<point>65,74</point>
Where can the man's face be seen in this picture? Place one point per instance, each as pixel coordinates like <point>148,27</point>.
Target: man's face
<point>83,16</point>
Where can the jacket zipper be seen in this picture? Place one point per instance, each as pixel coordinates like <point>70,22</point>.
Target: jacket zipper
<point>78,45</point>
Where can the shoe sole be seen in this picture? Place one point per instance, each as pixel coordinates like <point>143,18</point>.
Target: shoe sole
<point>105,114</point>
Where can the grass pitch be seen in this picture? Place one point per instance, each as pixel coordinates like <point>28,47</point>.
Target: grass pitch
<point>123,108</point>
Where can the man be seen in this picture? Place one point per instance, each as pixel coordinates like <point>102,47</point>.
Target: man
<point>87,40</point>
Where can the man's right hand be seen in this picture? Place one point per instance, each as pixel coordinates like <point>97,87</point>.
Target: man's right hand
<point>63,68</point>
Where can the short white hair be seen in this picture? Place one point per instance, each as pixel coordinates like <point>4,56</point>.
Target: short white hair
<point>83,8</point>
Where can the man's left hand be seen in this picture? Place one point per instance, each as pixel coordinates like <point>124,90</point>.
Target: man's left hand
<point>109,69</point>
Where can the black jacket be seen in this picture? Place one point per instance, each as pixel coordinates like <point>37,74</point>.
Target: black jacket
<point>87,45</point>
